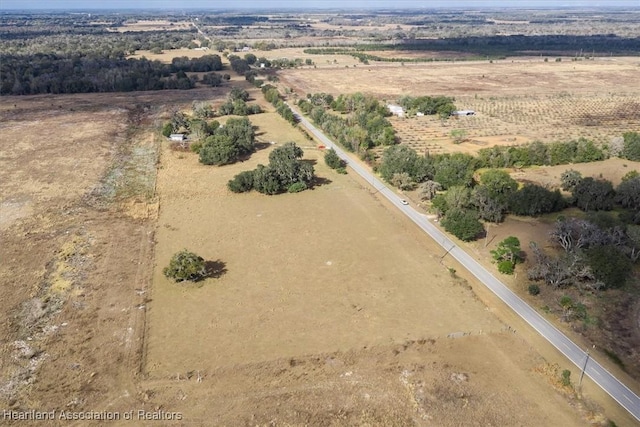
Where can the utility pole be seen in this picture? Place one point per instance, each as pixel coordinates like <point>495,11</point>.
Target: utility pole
<point>486,236</point>
<point>584,367</point>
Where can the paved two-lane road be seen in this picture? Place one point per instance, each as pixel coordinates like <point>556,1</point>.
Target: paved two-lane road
<point>616,389</point>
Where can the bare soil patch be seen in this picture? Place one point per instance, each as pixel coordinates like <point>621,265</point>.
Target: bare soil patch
<point>78,180</point>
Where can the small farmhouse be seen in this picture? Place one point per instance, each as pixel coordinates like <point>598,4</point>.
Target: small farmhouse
<point>463,113</point>
<point>396,110</point>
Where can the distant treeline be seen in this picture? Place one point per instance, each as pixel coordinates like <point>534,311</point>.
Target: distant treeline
<point>497,46</point>
<point>73,40</point>
<point>220,19</point>
<point>41,73</point>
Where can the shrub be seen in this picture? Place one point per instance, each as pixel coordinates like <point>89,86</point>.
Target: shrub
<point>242,182</point>
<point>196,147</point>
<point>297,187</point>
<point>566,378</point>
<point>534,289</point>
<point>458,135</point>
<point>185,265</point>
<point>167,129</point>
<point>332,159</point>
<point>506,267</point>
<point>630,175</point>
<point>631,148</point>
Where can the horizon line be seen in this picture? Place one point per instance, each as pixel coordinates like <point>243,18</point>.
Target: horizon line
<point>334,8</point>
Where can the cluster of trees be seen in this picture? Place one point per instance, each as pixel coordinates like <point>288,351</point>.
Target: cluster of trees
<point>591,194</point>
<point>290,63</point>
<point>197,126</point>
<point>488,46</point>
<point>539,154</point>
<point>233,20</point>
<point>228,143</point>
<point>239,65</point>
<point>203,64</point>
<point>366,57</point>
<point>251,77</point>
<point>51,73</point>
<point>272,95</point>
<point>285,172</point>
<point>214,79</point>
<point>363,126</point>
<point>236,104</point>
<point>466,201</point>
<point>490,200</point>
<point>440,105</point>
<point>597,253</point>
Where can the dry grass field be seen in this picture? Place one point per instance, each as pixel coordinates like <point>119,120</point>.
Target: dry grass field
<point>332,310</point>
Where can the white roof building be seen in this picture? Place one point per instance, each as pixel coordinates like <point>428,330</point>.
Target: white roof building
<point>396,110</point>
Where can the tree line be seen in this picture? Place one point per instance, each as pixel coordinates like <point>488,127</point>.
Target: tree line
<point>495,194</point>
<point>492,46</point>
<point>272,95</point>
<point>358,122</point>
<point>51,73</point>
<point>581,150</point>
<point>66,37</point>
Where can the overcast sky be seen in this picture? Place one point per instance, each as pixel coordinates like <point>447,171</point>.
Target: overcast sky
<point>271,4</point>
